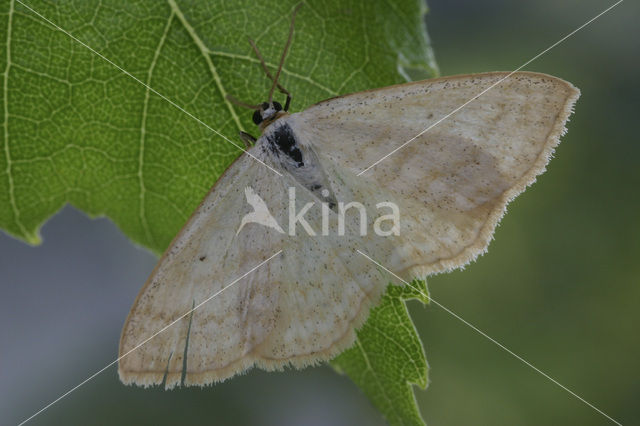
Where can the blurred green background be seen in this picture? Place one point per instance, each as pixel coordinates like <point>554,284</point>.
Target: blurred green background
<point>559,285</point>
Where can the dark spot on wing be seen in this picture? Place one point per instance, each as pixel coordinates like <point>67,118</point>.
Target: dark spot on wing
<point>284,141</point>
<point>202,258</point>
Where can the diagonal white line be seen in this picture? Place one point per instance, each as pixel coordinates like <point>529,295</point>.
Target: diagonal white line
<point>151,89</point>
<point>280,251</point>
<point>492,86</point>
<point>146,340</point>
<point>500,345</point>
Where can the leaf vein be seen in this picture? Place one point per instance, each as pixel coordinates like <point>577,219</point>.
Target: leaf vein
<point>322,40</point>
<point>143,128</point>
<point>7,150</point>
<point>392,340</point>
<point>366,54</point>
<point>205,53</point>
<point>375,377</point>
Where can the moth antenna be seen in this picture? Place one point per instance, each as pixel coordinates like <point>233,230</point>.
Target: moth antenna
<point>265,68</point>
<point>240,103</point>
<point>284,53</point>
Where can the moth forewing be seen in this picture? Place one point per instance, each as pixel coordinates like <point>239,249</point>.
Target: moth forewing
<point>300,309</point>
<point>453,182</point>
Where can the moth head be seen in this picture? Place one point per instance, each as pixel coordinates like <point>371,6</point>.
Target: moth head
<point>266,113</point>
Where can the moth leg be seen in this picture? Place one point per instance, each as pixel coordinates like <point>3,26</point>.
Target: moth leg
<point>248,140</point>
<point>288,102</point>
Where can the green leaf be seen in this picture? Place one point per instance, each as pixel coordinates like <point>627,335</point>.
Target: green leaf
<point>388,356</point>
<point>77,129</point>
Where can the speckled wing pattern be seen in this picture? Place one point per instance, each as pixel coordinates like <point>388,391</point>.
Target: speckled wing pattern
<point>452,183</point>
<point>303,306</point>
<point>299,308</point>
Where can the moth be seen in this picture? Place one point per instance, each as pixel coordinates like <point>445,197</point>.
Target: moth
<point>450,185</point>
